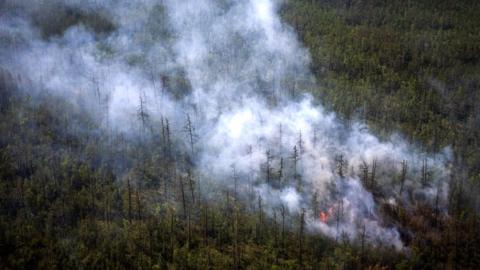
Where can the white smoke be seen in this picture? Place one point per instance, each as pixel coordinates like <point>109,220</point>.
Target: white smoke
<point>239,72</point>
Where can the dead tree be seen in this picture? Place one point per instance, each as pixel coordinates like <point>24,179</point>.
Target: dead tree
<point>437,209</point>
<point>142,112</point>
<point>235,183</point>
<point>106,109</point>
<point>373,175</point>
<point>301,237</point>
<point>96,88</point>
<point>139,204</point>
<point>338,217</point>
<point>182,194</point>
<point>283,211</point>
<point>165,84</point>
<point>425,173</point>
<point>295,159</point>
<point>205,221</point>
<point>403,176</point>
<point>280,171</point>
<point>164,138</point>
<point>189,129</point>
<point>168,160</point>
<point>268,166</point>
<point>300,143</point>
<point>167,141</point>
<point>251,193</point>
<point>260,219</point>
<point>341,165</point>
<point>364,169</point>
<point>315,209</point>
<point>280,138</point>
<point>191,183</point>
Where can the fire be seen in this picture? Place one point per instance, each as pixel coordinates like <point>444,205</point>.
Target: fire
<point>325,215</point>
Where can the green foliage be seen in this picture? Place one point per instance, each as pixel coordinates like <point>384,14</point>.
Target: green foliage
<point>74,197</point>
<point>66,205</point>
<point>411,66</point>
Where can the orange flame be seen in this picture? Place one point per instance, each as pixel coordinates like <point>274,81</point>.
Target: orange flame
<point>325,216</point>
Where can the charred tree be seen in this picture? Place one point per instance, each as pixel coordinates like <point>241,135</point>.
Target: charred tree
<point>403,176</point>
<point>189,129</point>
<point>296,176</point>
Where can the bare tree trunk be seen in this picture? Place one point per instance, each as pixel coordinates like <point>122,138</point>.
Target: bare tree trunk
<point>129,192</point>
<point>260,218</point>
<point>139,205</point>
<point>403,176</point>
<point>182,194</point>
<point>190,132</point>
<point>282,212</point>
<point>373,174</point>
<point>300,238</point>
<point>268,166</point>
<point>192,185</point>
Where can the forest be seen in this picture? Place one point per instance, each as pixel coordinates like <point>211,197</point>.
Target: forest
<point>225,134</point>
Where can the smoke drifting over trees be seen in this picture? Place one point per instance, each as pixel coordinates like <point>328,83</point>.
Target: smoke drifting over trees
<point>227,80</point>
<point>180,110</point>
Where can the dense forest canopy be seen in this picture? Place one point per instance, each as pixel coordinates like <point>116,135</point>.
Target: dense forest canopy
<point>225,134</point>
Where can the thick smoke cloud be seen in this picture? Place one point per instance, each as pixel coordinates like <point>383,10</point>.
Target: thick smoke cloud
<point>237,73</point>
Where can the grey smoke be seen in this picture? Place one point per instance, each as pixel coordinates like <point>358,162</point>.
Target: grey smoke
<point>239,73</point>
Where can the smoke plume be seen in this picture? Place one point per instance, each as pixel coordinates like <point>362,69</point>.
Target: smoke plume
<point>235,76</point>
